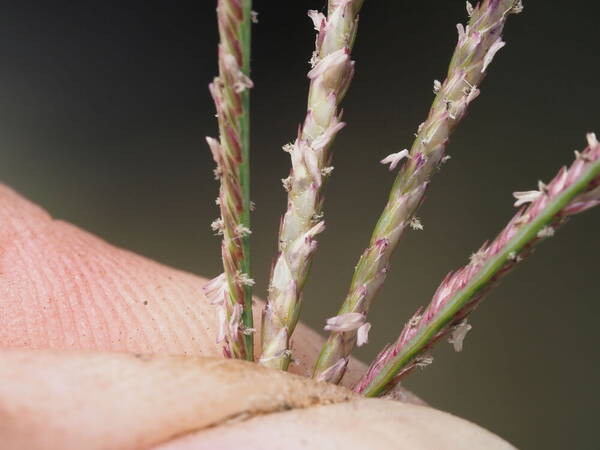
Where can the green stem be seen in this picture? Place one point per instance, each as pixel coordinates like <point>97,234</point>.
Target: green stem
<point>527,234</point>
<point>245,39</point>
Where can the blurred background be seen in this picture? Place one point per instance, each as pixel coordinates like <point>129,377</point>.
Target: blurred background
<point>103,112</point>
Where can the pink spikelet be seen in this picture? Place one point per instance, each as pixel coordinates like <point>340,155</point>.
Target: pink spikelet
<point>572,191</point>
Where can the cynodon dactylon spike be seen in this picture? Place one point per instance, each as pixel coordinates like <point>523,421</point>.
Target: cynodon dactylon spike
<point>478,42</point>
<point>330,77</point>
<point>573,190</point>
<point>231,291</point>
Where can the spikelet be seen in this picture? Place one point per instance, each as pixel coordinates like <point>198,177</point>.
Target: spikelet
<point>229,91</point>
<point>329,77</point>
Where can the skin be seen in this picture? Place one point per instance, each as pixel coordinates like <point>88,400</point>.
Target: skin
<point>104,349</point>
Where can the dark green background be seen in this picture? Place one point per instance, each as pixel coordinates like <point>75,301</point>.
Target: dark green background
<point>103,110</point>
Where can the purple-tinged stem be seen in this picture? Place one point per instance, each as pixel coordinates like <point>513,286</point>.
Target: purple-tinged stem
<point>478,42</point>
<point>573,190</point>
<point>232,290</point>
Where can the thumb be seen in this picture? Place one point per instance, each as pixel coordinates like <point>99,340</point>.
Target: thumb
<point>73,400</point>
